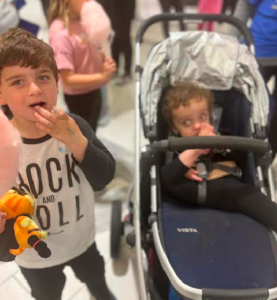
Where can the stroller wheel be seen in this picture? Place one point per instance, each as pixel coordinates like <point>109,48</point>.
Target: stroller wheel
<point>116,228</point>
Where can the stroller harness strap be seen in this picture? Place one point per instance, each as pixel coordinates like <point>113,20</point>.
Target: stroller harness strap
<point>205,167</point>
<point>202,186</point>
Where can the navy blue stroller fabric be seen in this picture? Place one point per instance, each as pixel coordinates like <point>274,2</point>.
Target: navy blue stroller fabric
<point>214,249</point>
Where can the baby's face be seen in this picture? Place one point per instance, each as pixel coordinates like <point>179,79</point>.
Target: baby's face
<point>186,119</point>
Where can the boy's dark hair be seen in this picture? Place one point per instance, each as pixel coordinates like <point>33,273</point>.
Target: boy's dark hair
<point>19,47</point>
<point>180,94</point>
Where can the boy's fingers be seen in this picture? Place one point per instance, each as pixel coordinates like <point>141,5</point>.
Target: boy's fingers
<point>46,114</point>
<point>2,224</point>
<point>44,121</point>
<point>2,219</point>
<point>2,214</point>
<point>42,127</point>
<point>59,113</point>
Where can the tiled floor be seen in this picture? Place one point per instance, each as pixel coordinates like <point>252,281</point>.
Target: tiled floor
<point>14,286</point>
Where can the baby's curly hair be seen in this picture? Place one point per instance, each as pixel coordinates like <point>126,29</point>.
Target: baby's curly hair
<point>180,94</point>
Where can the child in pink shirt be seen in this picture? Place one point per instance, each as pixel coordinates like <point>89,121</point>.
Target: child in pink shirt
<point>83,68</point>
<point>209,7</point>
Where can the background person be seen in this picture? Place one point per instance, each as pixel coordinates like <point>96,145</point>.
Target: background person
<point>122,13</point>
<point>264,32</point>
<point>83,69</point>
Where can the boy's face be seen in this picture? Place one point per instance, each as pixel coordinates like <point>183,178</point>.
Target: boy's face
<point>186,118</point>
<point>23,88</point>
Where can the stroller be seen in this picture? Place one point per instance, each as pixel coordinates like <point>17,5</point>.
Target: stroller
<point>205,253</point>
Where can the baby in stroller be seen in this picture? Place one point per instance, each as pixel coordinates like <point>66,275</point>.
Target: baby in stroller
<point>187,109</point>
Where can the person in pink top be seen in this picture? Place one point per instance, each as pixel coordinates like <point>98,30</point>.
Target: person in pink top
<point>209,7</point>
<point>83,68</point>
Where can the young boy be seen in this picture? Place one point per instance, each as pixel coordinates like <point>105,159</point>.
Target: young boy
<point>62,163</point>
<point>187,109</point>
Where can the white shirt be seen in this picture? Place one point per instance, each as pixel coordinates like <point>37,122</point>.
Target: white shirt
<point>65,202</point>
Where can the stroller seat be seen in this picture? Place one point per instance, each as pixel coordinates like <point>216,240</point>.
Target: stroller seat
<point>213,249</point>
<point>206,246</point>
<point>205,253</point>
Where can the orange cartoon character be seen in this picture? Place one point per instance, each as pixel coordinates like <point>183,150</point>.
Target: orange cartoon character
<point>20,206</point>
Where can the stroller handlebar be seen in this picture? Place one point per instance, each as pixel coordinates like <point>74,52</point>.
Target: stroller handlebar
<point>196,18</point>
<point>267,61</point>
<point>219,142</point>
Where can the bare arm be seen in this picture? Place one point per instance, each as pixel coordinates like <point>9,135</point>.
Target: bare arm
<point>74,80</point>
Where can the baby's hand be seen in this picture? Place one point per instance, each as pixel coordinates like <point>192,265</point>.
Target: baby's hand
<point>2,221</point>
<point>192,174</point>
<point>206,130</point>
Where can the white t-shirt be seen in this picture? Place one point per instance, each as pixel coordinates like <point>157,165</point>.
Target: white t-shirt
<point>65,202</point>
<point>64,193</point>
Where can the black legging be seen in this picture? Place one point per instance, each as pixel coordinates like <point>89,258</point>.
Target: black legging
<point>87,106</point>
<point>229,194</point>
<point>89,267</point>
<point>121,17</point>
<point>178,6</point>
<point>229,4</point>
<point>268,72</point>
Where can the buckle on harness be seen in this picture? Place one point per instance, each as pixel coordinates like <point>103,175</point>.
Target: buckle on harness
<point>206,167</point>
<point>201,167</point>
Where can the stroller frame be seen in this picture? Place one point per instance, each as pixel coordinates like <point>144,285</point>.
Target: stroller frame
<point>257,146</point>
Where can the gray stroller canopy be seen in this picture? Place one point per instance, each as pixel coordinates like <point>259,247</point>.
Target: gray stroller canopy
<point>217,62</point>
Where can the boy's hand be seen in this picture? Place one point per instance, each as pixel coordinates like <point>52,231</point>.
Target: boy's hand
<point>109,68</point>
<point>2,221</point>
<point>63,128</point>
<point>103,55</point>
